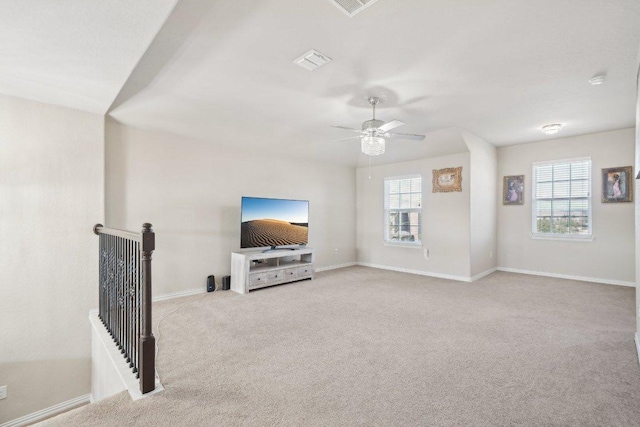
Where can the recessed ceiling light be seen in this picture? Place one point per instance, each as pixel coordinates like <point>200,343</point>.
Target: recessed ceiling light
<point>551,129</point>
<point>597,80</point>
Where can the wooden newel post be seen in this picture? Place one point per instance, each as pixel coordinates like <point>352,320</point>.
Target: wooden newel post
<point>147,340</point>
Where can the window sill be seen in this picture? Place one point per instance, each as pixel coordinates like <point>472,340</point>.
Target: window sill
<point>414,245</point>
<point>564,238</point>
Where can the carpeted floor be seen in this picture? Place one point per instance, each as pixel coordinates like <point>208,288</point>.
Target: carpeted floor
<point>361,346</point>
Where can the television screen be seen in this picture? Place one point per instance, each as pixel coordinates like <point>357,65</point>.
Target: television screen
<point>274,222</point>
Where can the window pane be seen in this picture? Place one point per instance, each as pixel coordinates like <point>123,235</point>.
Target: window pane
<point>405,201</point>
<point>394,201</point>
<point>580,188</point>
<point>393,232</point>
<point>559,225</point>
<point>416,200</point>
<point>543,207</point>
<point>561,189</point>
<point>544,173</point>
<point>394,186</point>
<point>579,224</point>
<point>579,207</point>
<point>544,191</point>
<point>560,207</point>
<point>580,170</point>
<point>561,171</point>
<point>416,185</point>
<point>543,224</point>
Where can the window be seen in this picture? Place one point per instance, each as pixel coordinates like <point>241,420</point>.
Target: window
<point>562,199</point>
<point>403,210</point>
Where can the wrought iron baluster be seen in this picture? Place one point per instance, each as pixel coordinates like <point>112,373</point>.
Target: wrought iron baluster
<point>136,311</point>
<point>100,275</point>
<point>120,297</point>
<point>112,273</point>
<point>139,312</point>
<point>125,299</point>
<point>117,292</point>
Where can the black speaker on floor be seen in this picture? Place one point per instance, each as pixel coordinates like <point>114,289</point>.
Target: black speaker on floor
<point>226,283</point>
<point>211,284</point>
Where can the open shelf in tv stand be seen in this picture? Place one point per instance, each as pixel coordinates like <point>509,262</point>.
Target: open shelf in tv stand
<point>255,270</point>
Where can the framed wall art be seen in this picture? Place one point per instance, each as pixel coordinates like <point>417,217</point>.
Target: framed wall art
<point>617,184</point>
<point>513,190</point>
<point>447,180</point>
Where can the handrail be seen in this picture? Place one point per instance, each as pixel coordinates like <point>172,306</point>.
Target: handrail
<point>99,229</point>
<point>125,296</point>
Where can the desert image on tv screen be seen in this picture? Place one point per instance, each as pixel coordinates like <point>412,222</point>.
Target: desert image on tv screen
<point>274,222</point>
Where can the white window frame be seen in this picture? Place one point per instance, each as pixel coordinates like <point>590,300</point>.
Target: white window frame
<point>406,243</point>
<point>534,211</point>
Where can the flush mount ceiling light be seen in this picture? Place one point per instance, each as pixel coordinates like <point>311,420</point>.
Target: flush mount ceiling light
<point>372,145</point>
<point>551,129</point>
<point>597,80</point>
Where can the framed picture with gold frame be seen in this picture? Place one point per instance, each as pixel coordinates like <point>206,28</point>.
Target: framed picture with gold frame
<point>617,184</point>
<point>447,180</point>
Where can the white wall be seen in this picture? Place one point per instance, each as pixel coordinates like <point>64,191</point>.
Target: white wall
<point>610,256</point>
<point>636,198</point>
<point>191,190</point>
<point>51,195</point>
<point>483,212</point>
<point>445,217</point>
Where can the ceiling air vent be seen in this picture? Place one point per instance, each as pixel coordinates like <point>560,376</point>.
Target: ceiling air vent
<point>352,7</point>
<point>312,60</point>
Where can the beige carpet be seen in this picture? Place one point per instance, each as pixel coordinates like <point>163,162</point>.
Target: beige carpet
<point>360,346</point>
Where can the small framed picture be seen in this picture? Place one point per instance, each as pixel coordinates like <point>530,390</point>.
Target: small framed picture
<point>447,180</point>
<point>513,190</point>
<point>617,184</point>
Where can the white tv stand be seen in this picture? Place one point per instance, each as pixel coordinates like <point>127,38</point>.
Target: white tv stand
<point>254,270</point>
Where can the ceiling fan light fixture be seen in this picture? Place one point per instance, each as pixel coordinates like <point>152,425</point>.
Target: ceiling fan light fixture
<point>551,129</point>
<point>372,145</point>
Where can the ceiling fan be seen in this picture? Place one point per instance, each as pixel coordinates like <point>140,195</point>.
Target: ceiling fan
<point>374,132</point>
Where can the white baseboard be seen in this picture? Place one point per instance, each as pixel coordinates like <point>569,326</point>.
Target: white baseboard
<point>48,412</point>
<point>335,267</point>
<point>180,294</point>
<point>637,346</point>
<point>418,272</point>
<point>484,273</point>
<point>568,276</point>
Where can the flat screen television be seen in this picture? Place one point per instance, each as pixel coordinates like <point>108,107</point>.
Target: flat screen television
<point>274,222</point>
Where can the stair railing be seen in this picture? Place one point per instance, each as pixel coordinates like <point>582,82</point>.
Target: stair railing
<point>125,297</point>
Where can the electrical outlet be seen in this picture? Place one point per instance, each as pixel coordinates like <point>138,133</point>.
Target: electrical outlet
<point>3,392</point>
<point>335,251</point>
<point>490,254</point>
<point>426,254</point>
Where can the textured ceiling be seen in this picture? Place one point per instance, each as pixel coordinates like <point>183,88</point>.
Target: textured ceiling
<point>74,53</point>
<point>222,71</point>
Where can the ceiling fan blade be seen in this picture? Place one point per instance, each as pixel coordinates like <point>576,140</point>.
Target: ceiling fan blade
<point>390,125</point>
<point>343,127</point>
<point>346,139</point>
<point>407,136</point>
